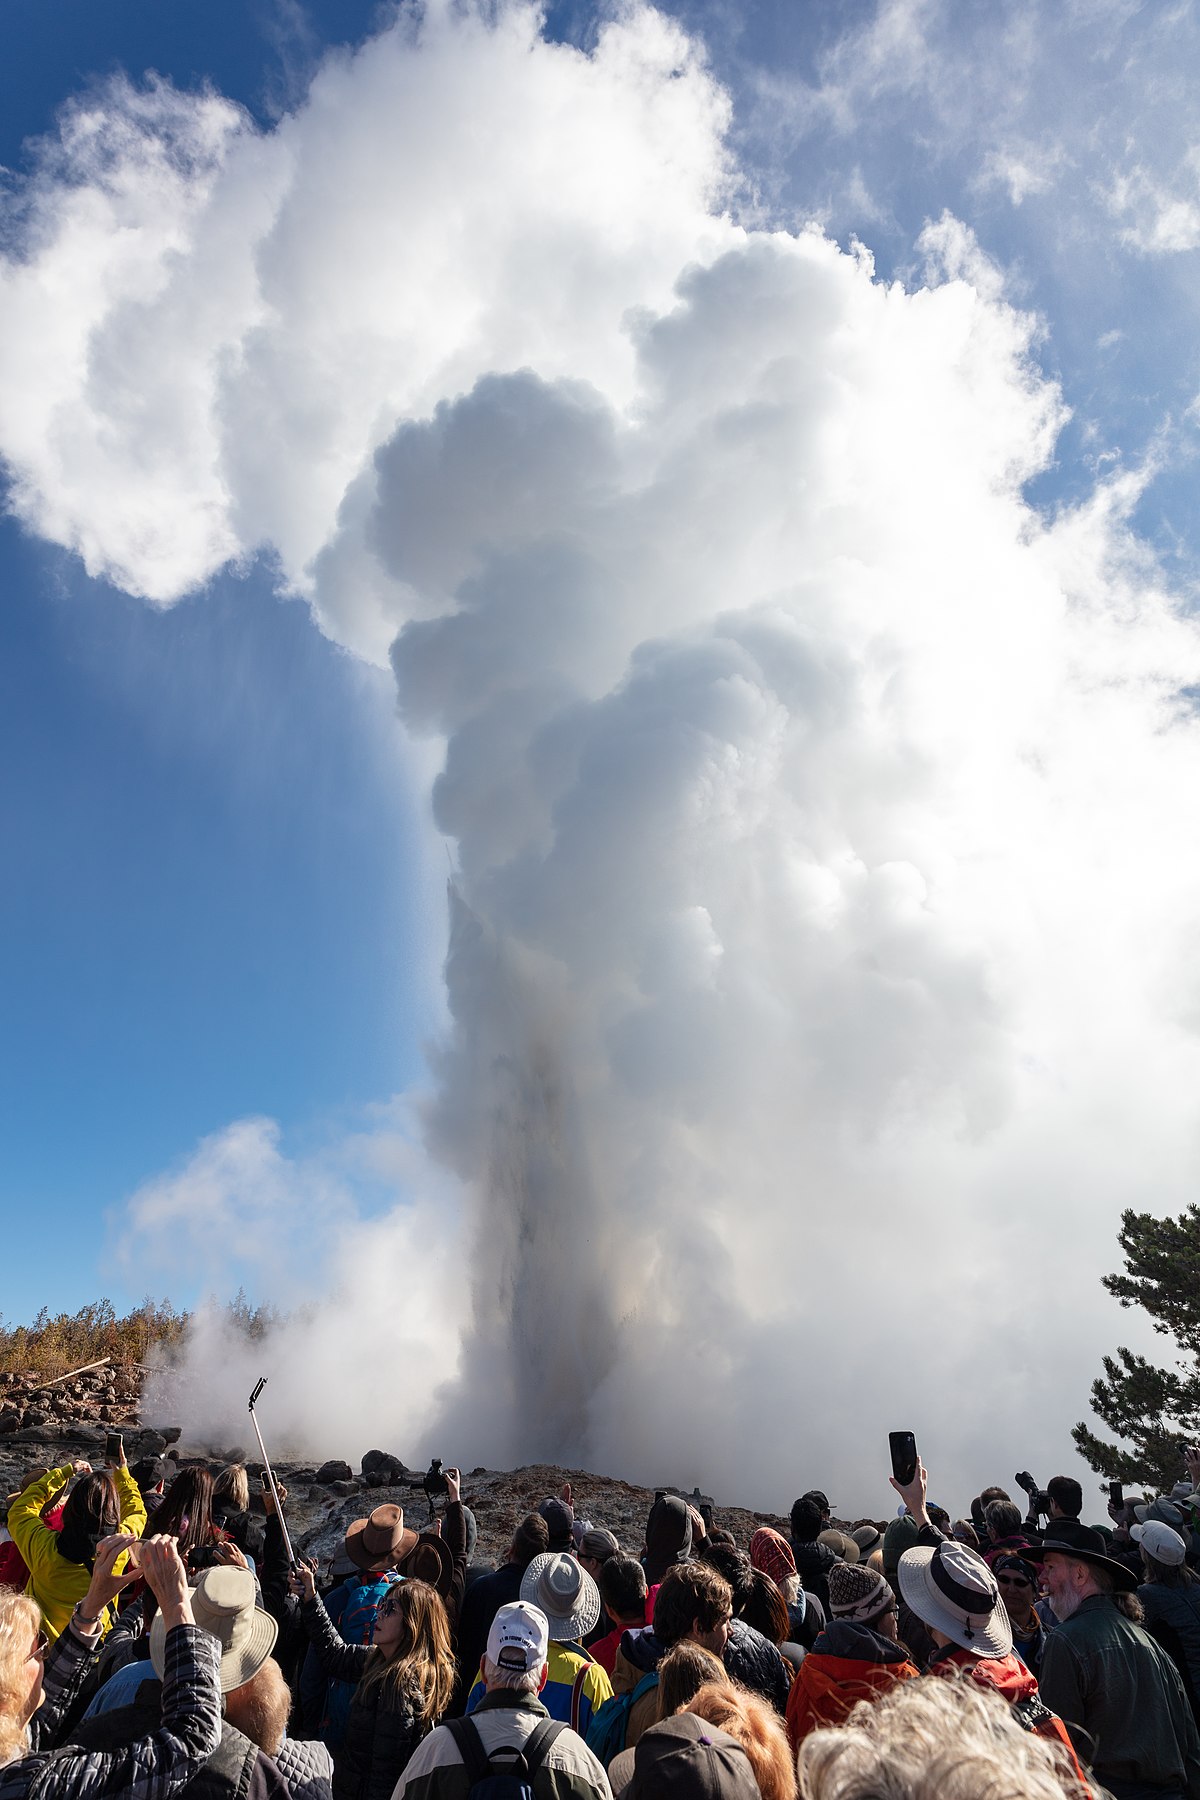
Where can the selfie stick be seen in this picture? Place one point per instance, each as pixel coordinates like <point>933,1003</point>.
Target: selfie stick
<point>287,1542</point>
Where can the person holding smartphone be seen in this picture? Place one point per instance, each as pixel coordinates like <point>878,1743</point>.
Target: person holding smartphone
<point>100,1503</point>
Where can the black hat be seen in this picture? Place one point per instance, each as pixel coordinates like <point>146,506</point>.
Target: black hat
<point>1082,1544</point>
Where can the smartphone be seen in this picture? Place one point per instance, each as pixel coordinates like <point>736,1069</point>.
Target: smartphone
<point>112,1446</point>
<point>903,1446</point>
<point>1116,1494</point>
<point>265,1482</point>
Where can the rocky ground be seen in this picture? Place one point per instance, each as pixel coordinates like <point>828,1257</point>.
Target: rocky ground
<point>47,1424</point>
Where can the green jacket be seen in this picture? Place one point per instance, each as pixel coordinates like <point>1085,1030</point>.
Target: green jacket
<point>1122,1701</point>
<point>55,1583</point>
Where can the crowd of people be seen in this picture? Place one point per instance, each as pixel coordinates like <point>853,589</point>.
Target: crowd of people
<point>155,1638</point>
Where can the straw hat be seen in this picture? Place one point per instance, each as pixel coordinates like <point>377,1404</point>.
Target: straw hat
<point>565,1592</point>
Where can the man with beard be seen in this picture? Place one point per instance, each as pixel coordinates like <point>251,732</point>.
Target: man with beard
<point>1116,1690</point>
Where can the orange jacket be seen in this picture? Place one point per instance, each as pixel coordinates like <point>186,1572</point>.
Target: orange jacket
<point>1013,1682</point>
<point>848,1663</point>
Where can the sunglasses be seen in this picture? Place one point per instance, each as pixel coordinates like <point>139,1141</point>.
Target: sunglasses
<point>390,1604</point>
<point>40,1647</point>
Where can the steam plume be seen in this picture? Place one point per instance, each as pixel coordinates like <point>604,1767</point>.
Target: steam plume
<point>819,925</point>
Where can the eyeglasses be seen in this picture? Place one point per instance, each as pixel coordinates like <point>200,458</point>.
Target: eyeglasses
<point>1014,1581</point>
<point>389,1604</point>
<point>41,1645</point>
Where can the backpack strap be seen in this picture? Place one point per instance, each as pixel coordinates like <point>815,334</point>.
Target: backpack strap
<point>577,1694</point>
<point>539,1741</point>
<point>466,1736</point>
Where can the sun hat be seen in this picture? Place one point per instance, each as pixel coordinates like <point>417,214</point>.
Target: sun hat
<point>1162,1509</point>
<point>952,1589</point>
<point>519,1638</point>
<point>686,1758</point>
<point>430,1559</point>
<point>771,1553</point>
<point>857,1593</point>
<point>1160,1542</point>
<point>840,1543</point>
<point>1083,1544</point>
<point>559,1519</point>
<point>223,1605</point>
<point>868,1538</point>
<point>380,1541</point>
<point>565,1592</point>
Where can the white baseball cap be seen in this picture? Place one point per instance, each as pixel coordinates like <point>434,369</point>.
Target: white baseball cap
<point>1160,1542</point>
<point>519,1638</point>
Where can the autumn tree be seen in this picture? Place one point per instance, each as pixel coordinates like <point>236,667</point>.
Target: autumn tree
<point>1153,1409</point>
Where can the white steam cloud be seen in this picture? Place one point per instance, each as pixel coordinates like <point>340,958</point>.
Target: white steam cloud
<point>819,962</point>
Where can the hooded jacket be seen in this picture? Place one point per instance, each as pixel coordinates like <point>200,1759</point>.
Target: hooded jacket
<point>668,1537</point>
<point>638,1654</point>
<point>849,1662</point>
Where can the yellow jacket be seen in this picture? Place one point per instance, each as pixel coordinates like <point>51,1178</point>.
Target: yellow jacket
<point>55,1583</point>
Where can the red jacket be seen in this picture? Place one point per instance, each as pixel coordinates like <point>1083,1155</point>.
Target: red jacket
<point>14,1570</point>
<point>1013,1682</point>
<point>848,1663</point>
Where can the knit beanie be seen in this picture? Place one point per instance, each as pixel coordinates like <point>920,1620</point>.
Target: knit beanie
<point>772,1554</point>
<point>857,1592</point>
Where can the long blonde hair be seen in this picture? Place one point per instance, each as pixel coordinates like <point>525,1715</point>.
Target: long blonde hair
<point>422,1665</point>
<point>757,1728</point>
<point>20,1620</point>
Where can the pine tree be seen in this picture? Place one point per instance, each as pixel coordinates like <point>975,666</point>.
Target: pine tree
<point>1154,1409</point>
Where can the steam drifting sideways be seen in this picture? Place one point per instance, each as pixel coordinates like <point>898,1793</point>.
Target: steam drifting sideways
<point>818,962</point>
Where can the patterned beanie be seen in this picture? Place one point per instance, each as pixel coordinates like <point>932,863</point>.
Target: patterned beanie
<point>771,1553</point>
<point>857,1593</point>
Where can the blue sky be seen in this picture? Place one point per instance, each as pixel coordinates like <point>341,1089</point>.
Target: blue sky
<point>284,355</point>
<point>202,918</point>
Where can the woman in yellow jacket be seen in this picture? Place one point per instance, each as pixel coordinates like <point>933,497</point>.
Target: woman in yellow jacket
<point>60,1562</point>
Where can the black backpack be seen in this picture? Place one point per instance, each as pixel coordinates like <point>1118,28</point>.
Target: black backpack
<point>507,1774</point>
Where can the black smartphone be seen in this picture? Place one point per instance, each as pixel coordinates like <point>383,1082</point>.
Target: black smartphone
<point>903,1446</point>
<point>1116,1494</point>
<point>265,1480</point>
<point>112,1447</point>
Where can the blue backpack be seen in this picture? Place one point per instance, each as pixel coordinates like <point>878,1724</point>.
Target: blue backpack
<point>506,1774</point>
<point>610,1725</point>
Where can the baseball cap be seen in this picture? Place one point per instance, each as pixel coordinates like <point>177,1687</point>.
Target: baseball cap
<point>1160,1542</point>
<point>686,1758</point>
<point>519,1638</point>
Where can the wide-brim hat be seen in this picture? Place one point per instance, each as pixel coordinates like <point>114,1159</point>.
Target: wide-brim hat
<point>952,1589</point>
<point>1082,1544</point>
<point>840,1542</point>
<point>1162,1509</point>
<point>223,1605</point>
<point>380,1541</point>
<point>561,1588</point>
<point>430,1559</point>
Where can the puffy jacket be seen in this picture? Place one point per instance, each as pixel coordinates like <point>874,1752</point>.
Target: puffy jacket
<point>848,1663</point>
<point>1008,1677</point>
<point>236,1770</point>
<point>151,1768</point>
<point>755,1662</point>
<point>325,1704</point>
<point>1173,1620</point>
<point>55,1583</point>
<point>384,1724</point>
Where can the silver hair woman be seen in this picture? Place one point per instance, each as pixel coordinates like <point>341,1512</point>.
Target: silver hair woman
<point>934,1740</point>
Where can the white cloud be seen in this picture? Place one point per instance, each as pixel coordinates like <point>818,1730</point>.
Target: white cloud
<point>1163,214</point>
<point>814,969</point>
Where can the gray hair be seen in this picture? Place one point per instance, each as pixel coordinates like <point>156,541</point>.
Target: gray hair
<point>934,1740</point>
<point>521,1681</point>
